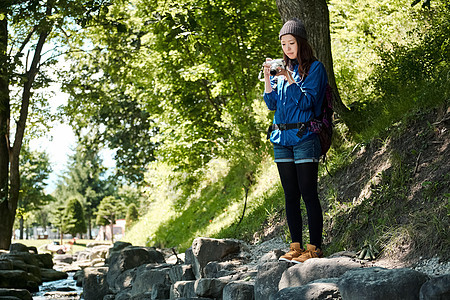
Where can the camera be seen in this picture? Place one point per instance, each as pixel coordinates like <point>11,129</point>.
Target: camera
<point>275,64</point>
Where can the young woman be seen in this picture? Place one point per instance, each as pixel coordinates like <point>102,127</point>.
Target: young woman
<point>296,98</point>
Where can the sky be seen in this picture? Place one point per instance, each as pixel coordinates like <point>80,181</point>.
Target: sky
<point>60,142</point>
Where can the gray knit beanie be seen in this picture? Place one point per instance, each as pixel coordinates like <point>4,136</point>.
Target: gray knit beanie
<point>295,27</point>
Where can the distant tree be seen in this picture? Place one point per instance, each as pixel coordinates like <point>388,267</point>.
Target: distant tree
<point>109,210</point>
<point>132,216</point>
<point>35,169</point>
<point>74,217</point>
<point>58,219</point>
<point>83,180</point>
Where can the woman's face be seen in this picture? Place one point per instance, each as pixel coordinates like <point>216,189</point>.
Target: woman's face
<point>289,45</point>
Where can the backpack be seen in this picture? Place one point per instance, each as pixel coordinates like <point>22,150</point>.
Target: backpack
<point>322,125</point>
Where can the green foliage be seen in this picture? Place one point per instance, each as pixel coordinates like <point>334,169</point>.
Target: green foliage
<point>74,218</point>
<point>109,210</point>
<point>132,216</point>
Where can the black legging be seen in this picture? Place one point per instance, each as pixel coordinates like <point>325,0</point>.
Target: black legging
<point>300,181</point>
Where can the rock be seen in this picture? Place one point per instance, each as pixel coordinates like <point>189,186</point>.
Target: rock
<point>52,275</point>
<point>268,278</point>
<point>239,290</point>
<point>95,285</point>
<point>45,260</point>
<point>210,287</point>
<point>381,283</point>
<point>18,247</point>
<point>216,269</point>
<point>273,255</point>
<point>322,289</point>
<point>316,268</point>
<point>18,279</point>
<point>183,289</point>
<point>437,288</point>
<point>131,257</point>
<point>63,258</point>
<point>205,250</point>
<point>100,251</point>
<point>181,273</point>
<point>124,281</point>
<point>6,264</point>
<point>160,291</point>
<point>20,294</point>
<point>78,276</point>
<point>146,279</point>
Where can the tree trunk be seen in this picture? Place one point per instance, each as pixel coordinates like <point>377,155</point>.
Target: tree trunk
<point>9,156</point>
<point>5,208</point>
<point>315,15</point>
<point>21,228</point>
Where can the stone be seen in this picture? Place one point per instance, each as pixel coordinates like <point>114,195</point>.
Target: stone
<point>322,289</point>
<point>239,290</point>
<point>160,291</point>
<point>131,257</point>
<point>381,283</point>
<point>205,250</point>
<point>63,258</point>
<point>18,247</point>
<point>45,260</point>
<point>6,264</point>
<point>18,279</point>
<point>146,278</point>
<point>183,289</point>
<point>100,251</point>
<point>268,278</point>
<point>95,285</point>
<point>437,288</point>
<point>216,269</point>
<point>272,255</point>
<point>52,275</point>
<point>210,287</point>
<point>124,280</point>
<point>316,268</point>
<point>181,273</point>
<point>21,294</point>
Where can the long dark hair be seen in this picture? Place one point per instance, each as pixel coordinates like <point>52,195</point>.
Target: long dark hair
<point>305,57</point>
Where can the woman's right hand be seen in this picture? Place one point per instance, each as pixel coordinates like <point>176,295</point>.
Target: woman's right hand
<point>267,68</point>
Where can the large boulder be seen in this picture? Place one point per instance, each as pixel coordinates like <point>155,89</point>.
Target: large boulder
<point>181,273</point>
<point>129,258</point>
<point>268,278</point>
<point>210,287</point>
<point>437,288</point>
<point>239,290</point>
<point>322,289</point>
<point>18,279</point>
<point>45,260</point>
<point>205,250</point>
<point>381,283</point>
<point>6,264</point>
<point>18,247</point>
<point>95,285</point>
<point>316,268</point>
<point>146,279</point>
<point>183,289</point>
<point>52,275</point>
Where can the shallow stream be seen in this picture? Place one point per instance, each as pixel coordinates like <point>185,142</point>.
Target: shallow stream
<point>64,289</point>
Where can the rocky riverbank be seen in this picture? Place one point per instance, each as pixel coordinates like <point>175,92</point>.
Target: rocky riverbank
<point>23,270</point>
<point>231,269</point>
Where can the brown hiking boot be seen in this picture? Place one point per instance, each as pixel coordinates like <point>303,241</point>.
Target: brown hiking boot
<point>310,252</point>
<point>295,251</point>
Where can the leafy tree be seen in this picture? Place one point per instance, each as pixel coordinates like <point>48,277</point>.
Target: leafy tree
<point>58,219</point>
<point>74,218</point>
<point>132,216</point>
<point>83,180</point>
<point>109,210</point>
<point>35,169</point>
<point>25,27</point>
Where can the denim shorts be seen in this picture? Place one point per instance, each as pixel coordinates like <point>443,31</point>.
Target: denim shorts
<point>305,152</point>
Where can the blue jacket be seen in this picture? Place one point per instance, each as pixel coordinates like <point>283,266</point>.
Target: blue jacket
<point>295,103</point>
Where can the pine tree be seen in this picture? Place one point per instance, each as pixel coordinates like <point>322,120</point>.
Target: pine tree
<point>75,221</point>
<point>108,211</point>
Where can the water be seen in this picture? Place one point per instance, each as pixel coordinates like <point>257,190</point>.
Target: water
<point>64,289</point>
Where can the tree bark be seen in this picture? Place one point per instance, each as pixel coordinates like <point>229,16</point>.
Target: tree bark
<point>9,156</point>
<point>315,15</point>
